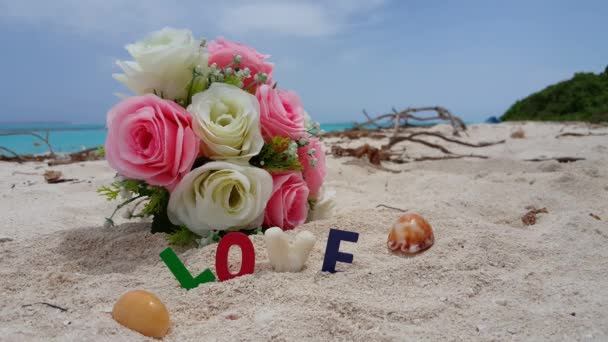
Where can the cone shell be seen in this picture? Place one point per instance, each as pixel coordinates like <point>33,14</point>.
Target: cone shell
<point>143,312</point>
<point>411,234</point>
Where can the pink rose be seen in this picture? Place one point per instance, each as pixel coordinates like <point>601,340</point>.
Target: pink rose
<point>288,204</point>
<point>312,159</point>
<point>151,139</point>
<point>222,52</point>
<point>281,113</point>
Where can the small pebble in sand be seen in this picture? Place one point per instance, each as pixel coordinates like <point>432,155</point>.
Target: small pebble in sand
<point>502,302</point>
<point>411,234</point>
<point>143,312</point>
<point>5,239</point>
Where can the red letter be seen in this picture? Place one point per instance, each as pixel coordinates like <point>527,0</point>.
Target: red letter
<point>221,256</point>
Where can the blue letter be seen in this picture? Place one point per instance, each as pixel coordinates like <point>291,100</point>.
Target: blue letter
<point>332,251</point>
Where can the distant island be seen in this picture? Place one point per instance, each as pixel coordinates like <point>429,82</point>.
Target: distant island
<point>584,97</point>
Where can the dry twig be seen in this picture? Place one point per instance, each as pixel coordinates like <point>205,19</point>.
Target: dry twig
<point>389,207</point>
<point>559,159</point>
<point>47,304</point>
<point>595,216</point>
<point>573,134</point>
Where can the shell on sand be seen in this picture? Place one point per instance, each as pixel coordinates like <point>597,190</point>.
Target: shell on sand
<point>143,312</point>
<point>410,234</point>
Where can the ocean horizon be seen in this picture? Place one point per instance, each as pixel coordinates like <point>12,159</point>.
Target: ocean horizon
<point>68,137</point>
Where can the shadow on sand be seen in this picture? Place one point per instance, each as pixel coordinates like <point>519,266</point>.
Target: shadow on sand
<point>120,249</point>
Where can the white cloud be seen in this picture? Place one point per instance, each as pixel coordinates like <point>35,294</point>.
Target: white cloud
<point>296,18</point>
<point>89,17</point>
<point>303,19</point>
<point>306,18</point>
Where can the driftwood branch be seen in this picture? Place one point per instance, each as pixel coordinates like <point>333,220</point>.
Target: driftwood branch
<point>52,158</point>
<point>400,119</point>
<point>44,139</point>
<point>15,155</point>
<point>397,122</point>
<point>370,119</point>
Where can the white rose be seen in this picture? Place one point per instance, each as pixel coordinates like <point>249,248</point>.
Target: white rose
<point>324,206</point>
<point>163,64</point>
<point>227,119</point>
<point>220,196</point>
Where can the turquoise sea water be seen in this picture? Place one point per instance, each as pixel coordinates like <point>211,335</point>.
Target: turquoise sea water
<point>72,137</point>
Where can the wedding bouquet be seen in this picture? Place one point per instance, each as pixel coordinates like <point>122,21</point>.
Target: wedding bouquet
<point>209,143</point>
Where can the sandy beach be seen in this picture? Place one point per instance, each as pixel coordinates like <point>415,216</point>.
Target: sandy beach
<point>487,277</point>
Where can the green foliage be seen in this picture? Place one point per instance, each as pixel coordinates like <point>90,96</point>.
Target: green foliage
<point>156,206</point>
<point>109,192</point>
<point>311,204</point>
<point>159,198</point>
<point>134,186</point>
<point>182,237</point>
<point>101,151</point>
<point>281,154</point>
<point>234,80</point>
<point>582,98</point>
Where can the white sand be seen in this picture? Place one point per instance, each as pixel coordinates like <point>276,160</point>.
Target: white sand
<point>488,277</point>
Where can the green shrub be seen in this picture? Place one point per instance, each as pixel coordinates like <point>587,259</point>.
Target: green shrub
<point>582,98</point>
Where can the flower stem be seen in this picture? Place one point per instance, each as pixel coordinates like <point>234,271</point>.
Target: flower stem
<point>121,205</point>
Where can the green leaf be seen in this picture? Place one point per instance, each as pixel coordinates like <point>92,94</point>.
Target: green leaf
<point>109,192</point>
<point>276,156</point>
<point>133,185</point>
<point>159,199</point>
<point>233,80</point>
<point>182,237</point>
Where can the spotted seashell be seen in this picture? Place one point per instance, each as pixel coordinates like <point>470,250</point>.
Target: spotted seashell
<point>411,234</point>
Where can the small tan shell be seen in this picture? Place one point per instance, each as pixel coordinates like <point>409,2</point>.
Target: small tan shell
<point>411,234</point>
<point>143,312</point>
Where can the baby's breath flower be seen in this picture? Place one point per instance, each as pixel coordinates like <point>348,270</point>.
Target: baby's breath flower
<point>313,162</point>
<point>228,71</point>
<point>302,142</point>
<point>311,152</point>
<point>292,149</point>
<point>246,73</point>
<point>237,59</point>
<point>260,77</point>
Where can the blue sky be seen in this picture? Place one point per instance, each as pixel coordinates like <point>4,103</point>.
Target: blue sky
<point>475,57</point>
